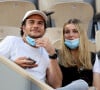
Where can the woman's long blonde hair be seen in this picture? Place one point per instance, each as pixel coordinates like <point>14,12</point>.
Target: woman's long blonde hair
<point>84,58</point>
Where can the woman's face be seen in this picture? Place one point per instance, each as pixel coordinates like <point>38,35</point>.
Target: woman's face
<point>71,32</point>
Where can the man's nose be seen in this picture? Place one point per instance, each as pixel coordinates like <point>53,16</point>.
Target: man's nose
<point>35,24</point>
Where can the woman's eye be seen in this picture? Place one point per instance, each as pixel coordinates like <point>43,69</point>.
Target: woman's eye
<point>75,31</point>
<point>67,31</point>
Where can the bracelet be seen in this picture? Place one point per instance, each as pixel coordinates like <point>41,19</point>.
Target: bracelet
<point>54,56</point>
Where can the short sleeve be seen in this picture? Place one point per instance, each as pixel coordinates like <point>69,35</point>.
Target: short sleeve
<point>5,46</point>
<point>96,67</point>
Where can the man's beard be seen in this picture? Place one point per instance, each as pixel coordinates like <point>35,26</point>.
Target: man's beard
<point>40,36</point>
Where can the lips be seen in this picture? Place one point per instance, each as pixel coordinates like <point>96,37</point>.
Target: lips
<point>34,31</point>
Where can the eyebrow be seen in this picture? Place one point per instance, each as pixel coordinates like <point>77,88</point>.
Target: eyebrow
<point>69,29</point>
<point>34,19</point>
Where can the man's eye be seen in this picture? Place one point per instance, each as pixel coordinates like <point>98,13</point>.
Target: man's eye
<point>31,22</point>
<point>41,23</point>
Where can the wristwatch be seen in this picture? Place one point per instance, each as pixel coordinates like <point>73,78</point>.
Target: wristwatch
<point>54,56</point>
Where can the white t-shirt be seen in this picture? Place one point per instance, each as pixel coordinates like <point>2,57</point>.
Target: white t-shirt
<point>13,47</point>
<point>96,67</point>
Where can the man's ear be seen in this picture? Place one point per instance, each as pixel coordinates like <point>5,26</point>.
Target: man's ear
<point>23,28</point>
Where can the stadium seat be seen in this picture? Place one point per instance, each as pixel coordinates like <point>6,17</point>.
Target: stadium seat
<point>97,2</point>
<point>98,41</point>
<point>65,11</point>
<point>79,10</point>
<point>46,4</point>
<point>53,33</point>
<point>11,12</point>
<point>4,31</point>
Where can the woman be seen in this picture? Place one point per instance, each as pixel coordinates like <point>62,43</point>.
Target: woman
<point>74,56</point>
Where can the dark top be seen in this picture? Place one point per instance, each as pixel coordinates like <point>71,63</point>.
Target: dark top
<point>98,54</point>
<point>73,73</point>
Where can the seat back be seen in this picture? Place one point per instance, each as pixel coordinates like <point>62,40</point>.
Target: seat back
<point>97,2</point>
<point>92,46</point>
<point>5,31</point>
<point>12,12</point>
<point>57,44</point>
<point>98,41</point>
<point>53,33</point>
<point>46,4</point>
<point>65,11</point>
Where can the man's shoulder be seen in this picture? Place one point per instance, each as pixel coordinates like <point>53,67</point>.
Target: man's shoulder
<point>12,38</point>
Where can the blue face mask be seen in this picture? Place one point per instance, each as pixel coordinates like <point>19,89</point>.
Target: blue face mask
<point>72,44</point>
<point>30,41</point>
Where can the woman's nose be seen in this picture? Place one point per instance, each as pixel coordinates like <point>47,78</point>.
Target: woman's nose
<point>71,34</point>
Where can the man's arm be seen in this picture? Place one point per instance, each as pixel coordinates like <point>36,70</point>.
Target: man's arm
<point>54,75</point>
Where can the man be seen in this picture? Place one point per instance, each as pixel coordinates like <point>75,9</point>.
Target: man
<point>33,52</point>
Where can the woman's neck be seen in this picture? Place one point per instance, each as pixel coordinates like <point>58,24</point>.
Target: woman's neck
<point>74,54</point>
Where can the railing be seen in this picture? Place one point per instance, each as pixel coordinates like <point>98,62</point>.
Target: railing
<point>13,77</point>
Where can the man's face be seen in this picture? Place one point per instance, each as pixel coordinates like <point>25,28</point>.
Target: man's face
<point>34,26</point>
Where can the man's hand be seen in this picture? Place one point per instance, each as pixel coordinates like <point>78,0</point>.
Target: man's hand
<point>45,42</point>
<point>25,62</point>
